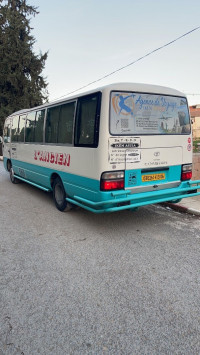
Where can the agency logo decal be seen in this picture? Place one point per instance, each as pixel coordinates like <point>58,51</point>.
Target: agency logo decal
<point>123,104</point>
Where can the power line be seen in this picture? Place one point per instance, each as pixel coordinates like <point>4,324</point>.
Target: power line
<point>192,94</point>
<point>128,65</point>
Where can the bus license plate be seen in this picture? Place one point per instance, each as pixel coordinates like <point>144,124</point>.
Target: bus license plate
<point>153,177</point>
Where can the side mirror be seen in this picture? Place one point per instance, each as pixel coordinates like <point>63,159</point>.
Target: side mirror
<point>1,139</point>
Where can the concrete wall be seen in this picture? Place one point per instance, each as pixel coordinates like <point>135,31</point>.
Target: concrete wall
<point>196,166</point>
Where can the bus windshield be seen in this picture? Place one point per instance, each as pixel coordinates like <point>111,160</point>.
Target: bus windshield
<point>148,114</point>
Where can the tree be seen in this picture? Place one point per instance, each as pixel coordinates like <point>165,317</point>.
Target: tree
<point>21,82</point>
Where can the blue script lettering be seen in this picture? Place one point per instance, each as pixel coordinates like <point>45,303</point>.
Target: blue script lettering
<point>141,102</point>
<point>167,104</point>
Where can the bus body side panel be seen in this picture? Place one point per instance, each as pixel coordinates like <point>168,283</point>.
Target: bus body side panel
<point>74,184</point>
<point>38,163</point>
<point>79,168</point>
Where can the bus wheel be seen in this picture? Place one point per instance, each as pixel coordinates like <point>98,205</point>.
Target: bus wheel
<point>13,179</point>
<point>59,196</point>
<point>175,201</point>
<point>8,165</point>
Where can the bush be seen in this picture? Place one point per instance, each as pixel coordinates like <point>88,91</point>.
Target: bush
<point>196,141</point>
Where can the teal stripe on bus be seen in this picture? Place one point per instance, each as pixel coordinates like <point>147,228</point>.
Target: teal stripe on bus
<point>86,187</point>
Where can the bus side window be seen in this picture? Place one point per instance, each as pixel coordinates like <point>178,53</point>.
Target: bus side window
<point>39,123</point>
<point>66,120</point>
<point>14,129</point>
<point>51,129</point>
<point>22,121</point>
<point>86,120</point>
<point>6,132</point>
<point>30,128</point>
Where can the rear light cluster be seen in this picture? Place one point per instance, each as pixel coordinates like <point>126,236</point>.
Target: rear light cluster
<point>186,173</point>
<point>113,180</point>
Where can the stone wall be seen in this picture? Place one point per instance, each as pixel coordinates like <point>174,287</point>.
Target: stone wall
<point>196,166</point>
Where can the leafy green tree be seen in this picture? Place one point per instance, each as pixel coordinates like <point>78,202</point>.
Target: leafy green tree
<point>21,82</point>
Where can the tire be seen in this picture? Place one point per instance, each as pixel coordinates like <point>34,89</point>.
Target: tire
<point>59,196</point>
<point>175,201</point>
<point>13,179</point>
<point>9,165</point>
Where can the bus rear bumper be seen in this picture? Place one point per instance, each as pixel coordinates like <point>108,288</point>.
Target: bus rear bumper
<point>123,200</point>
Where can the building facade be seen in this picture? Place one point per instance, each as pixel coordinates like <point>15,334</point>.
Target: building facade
<point>195,116</point>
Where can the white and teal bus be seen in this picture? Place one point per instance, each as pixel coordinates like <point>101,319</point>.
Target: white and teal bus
<point>118,147</point>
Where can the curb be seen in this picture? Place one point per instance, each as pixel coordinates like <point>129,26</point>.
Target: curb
<point>181,208</point>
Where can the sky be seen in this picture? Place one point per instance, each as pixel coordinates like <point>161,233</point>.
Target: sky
<point>88,39</point>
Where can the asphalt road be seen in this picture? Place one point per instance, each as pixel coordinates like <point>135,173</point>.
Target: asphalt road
<point>79,283</point>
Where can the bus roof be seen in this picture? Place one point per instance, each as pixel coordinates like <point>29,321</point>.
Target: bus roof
<point>135,87</point>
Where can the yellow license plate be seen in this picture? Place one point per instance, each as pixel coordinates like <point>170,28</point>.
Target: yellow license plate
<point>153,177</point>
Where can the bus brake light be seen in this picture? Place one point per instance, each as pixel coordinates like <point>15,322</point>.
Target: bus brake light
<point>186,176</point>
<point>186,173</point>
<point>112,181</point>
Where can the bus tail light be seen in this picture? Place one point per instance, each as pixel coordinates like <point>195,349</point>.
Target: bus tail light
<point>113,180</point>
<point>186,173</point>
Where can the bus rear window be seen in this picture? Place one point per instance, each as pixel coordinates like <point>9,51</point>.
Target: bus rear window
<point>143,114</point>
